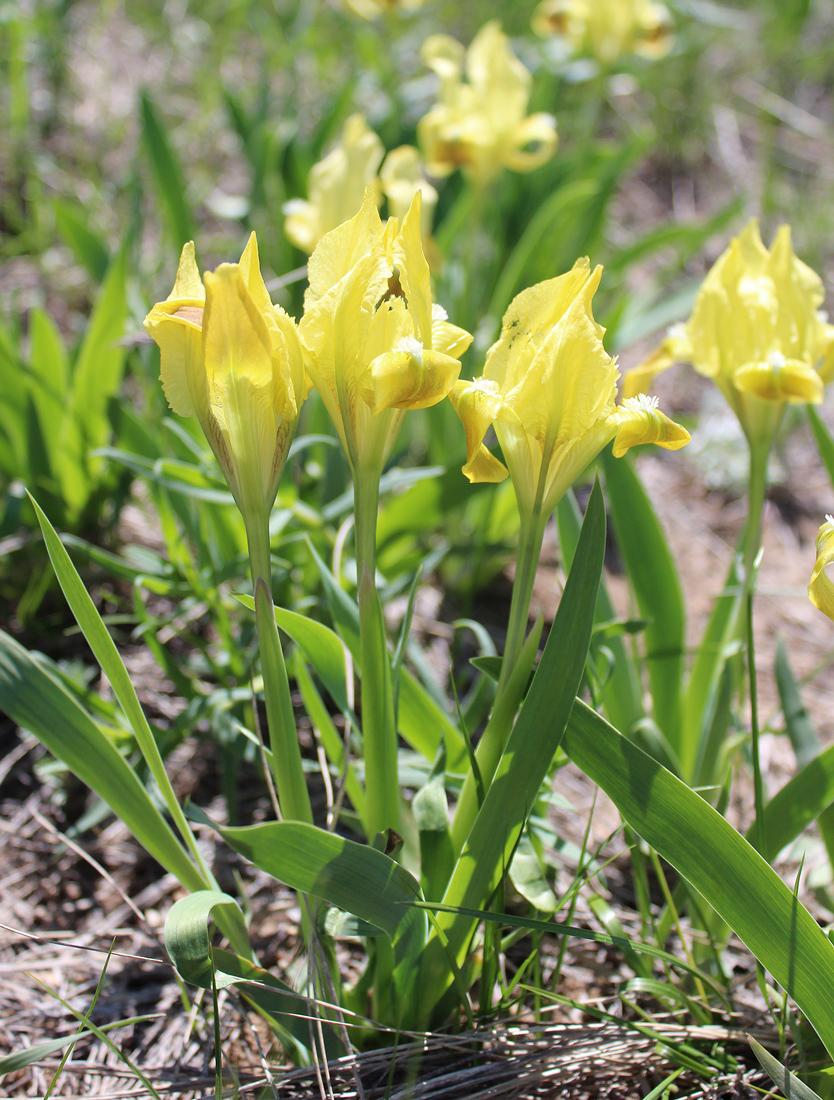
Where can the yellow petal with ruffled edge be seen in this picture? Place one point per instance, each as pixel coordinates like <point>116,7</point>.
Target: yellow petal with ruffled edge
<point>478,403</point>
<point>780,379</point>
<point>821,588</point>
<point>175,325</point>
<point>338,252</point>
<point>639,420</point>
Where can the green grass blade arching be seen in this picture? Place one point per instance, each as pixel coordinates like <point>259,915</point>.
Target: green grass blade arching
<point>651,570</point>
<point>96,377</point>
<point>113,667</point>
<point>167,174</point>
<point>533,741</point>
<point>20,1059</point>
<point>38,703</point>
<point>716,860</point>
<point>86,245</point>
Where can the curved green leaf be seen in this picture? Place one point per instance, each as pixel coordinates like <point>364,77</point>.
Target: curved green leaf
<point>798,803</point>
<point>187,938</point>
<point>651,570</point>
<point>112,666</point>
<point>35,701</point>
<point>488,851</point>
<point>351,876</point>
<point>716,860</point>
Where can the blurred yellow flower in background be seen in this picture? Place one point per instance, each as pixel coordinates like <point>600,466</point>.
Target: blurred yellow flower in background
<point>375,343</point>
<point>549,390</point>
<point>481,125</point>
<point>402,175</point>
<point>757,330</point>
<point>607,29</point>
<point>335,186</point>
<point>234,360</point>
<point>821,587</point>
<point>372,9</point>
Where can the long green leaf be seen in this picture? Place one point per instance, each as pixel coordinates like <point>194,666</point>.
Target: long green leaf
<point>35,701</point>
<point>788,1082</point>
<point>113,667</point>
<point>20,1059</point>
<point>798,804</point>
<point>86,245</point>
<point>50,378</point>
<point>488,851</point>
<point>716,860</point>
<point>621,690</point>
<point>167,174</point>
<point>654,578</point>
<point>825,444</point>
<point>96,378</point>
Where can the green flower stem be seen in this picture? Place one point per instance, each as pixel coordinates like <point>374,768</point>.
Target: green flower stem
<point>757,491</point>
<point>382,785</point>
<point>365,509</point>
<point>290,783</point>
<point>530,537</point>
<point>379,730</point>
<point>494,737</point>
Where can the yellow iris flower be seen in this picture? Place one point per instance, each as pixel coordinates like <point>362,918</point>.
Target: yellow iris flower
<point>821,587</point>
<point>402,176</point>
<point>372,9</point>
<point>480,125</point>
<point>234,360</point>
<point>757,331</point>
<point>607,29</point>
<point>335,186</point>
<point>375,343</point>
<point>549,390</point>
